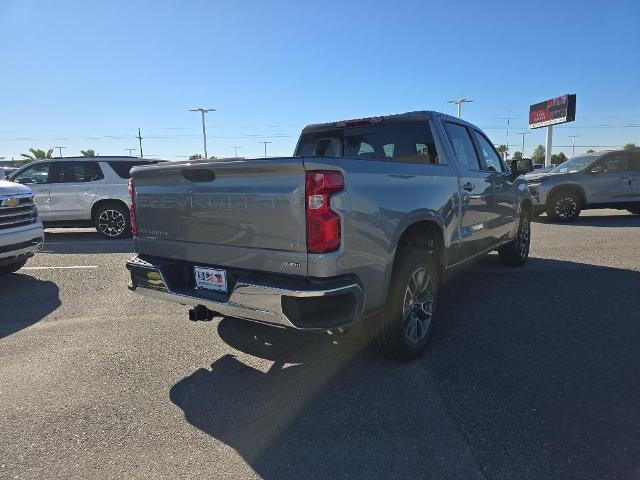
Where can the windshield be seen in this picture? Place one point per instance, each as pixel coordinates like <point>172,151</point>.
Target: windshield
<point>575,164</point>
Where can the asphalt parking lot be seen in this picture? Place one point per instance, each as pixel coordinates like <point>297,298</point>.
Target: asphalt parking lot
<point>532,374</point>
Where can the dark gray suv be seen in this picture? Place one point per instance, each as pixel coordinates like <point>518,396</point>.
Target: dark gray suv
<point>607,179</point>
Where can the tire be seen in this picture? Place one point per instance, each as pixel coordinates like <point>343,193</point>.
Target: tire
<point>113,221</point>
<point>564,206</point>
<point>635,211</point>
<point>403,329</point>
<point>12,267</point>
<point>516,253</point>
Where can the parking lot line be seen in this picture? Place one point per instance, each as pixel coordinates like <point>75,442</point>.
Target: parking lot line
<point>60,268</point>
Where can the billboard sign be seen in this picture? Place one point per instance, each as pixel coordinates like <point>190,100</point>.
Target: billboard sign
<point>553,111</point>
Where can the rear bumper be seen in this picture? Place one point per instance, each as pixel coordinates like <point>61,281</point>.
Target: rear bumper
<point>303,304</point>
<point>21,242</point>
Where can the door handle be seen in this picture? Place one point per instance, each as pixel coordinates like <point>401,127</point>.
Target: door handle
<point>468,186</point>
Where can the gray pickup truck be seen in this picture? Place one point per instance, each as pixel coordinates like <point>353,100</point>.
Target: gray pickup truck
<point>361,224</point>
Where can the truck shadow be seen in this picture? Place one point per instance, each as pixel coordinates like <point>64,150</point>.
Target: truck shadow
<point>25,300</point>
<point>534,371</point>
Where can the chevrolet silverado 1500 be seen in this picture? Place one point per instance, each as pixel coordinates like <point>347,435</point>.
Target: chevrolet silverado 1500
<point>360,224</point>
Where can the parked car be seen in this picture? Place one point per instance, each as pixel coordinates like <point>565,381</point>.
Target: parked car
<point>363,222</point>
<point>21,233</point>
<point>82,191</point>
<point>606,179</point>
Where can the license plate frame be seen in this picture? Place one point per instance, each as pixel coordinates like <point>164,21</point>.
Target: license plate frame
<point>210,279</point>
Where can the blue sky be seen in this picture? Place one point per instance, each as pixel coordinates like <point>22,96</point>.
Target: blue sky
<point>87,74</point>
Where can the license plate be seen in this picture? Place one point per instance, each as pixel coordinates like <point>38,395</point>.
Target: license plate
<point>211,279</point>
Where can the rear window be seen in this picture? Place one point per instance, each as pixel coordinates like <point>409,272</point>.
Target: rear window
<point>410,142</point>
<point>122,169</point>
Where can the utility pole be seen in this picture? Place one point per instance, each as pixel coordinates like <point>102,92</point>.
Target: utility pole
<point>60,150</point>
<point>204,131</point>
<point>235,149</point>
<point>573,144</point>
<point>265,148</point>
<point>140,141</point>
<point>130,150</point>
<point>523,134</point>
<point>459,103</point>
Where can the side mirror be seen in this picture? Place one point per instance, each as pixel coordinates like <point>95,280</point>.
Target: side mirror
<point>598,169</point>
<point>522,166</point>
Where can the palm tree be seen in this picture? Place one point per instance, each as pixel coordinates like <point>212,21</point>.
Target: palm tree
<point>37,154</point>
<point>89,153</point>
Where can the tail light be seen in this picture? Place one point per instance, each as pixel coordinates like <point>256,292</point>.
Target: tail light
<point>323,224</point>
<point>132,208</point>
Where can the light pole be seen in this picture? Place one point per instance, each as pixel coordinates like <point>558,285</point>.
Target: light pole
<point>508,118</point>
<point>573,144</point>
<point>265,148</point>
<point>523,134</point>
<point>459,103</point>
<point>130,150</point>
<point>60,150</point>
<point>235,149</point>
<point>204,131</point>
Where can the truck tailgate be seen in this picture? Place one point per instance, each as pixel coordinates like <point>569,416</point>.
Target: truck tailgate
<point>244,214</point>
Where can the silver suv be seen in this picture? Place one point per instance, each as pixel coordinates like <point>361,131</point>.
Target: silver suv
<point>607,179</point>
<point>81,191</point>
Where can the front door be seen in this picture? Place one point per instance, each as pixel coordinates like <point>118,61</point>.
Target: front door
<point>74,186</point>
<point>476,194</point>
<point>36,177</point>
<point>505,211</point>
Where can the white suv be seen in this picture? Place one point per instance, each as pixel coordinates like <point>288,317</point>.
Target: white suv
<point>82,191</point>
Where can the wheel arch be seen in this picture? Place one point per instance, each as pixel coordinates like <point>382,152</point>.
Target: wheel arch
<point>426,234</point>
<point>106,201</point>
<point>570,187</point>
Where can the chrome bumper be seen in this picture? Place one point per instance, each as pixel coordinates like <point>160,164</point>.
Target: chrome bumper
<point>258,297</point>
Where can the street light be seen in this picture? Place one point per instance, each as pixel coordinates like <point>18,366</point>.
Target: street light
<point>573,144</point>
<point>459,103</point>
<point>523,134</point>
<point>204,132</point>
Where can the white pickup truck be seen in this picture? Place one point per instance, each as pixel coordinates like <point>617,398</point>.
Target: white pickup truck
<point>21,233</point>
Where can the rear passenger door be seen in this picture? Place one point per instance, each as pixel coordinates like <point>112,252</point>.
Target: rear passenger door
<point>73,187</point>
<point>476,193</point>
